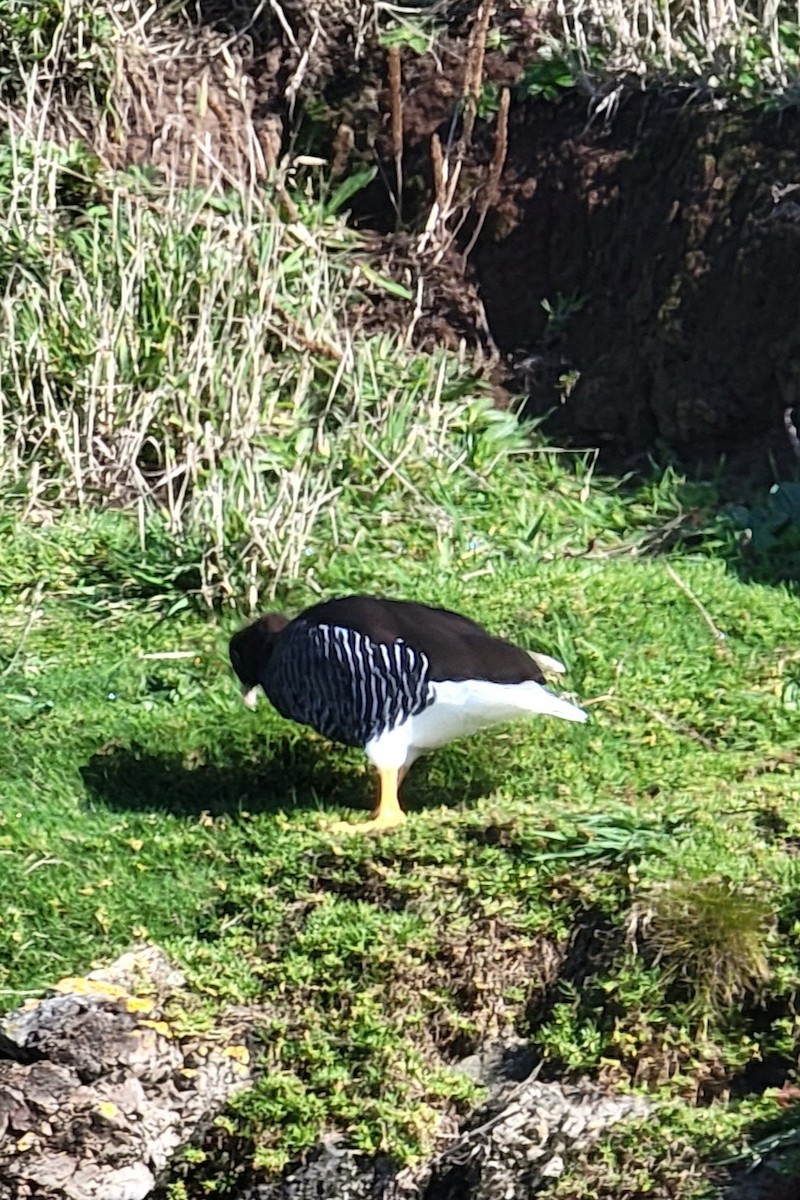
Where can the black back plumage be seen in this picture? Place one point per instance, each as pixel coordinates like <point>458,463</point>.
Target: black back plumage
<point>456,647</point>
<point>354,667</point>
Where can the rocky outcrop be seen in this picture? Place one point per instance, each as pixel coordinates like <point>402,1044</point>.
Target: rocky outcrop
<point>522,1137</point>
<point>97,1091</point>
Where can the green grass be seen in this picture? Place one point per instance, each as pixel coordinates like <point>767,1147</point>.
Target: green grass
<point>141,800</point>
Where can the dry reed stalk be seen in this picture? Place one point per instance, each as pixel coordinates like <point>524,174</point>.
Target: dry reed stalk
<point>439,178</point>
<point>473,74</point>
<point>292,89</point>
<point>439,170</point>
<point>396,107</point>
<point>439,234</point>
<point>495,168</point>
<point>343,145</point>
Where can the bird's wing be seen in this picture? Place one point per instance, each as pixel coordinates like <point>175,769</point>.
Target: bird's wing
<point>345,685</point>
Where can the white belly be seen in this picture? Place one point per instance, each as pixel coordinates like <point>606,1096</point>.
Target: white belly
<point>461,709</point>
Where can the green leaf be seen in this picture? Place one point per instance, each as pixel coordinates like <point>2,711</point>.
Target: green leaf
<point>386,285</point>
<point>349,188</point>
<point>401,35</point>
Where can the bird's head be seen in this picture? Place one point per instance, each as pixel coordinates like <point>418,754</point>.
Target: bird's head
<point>250,651</point>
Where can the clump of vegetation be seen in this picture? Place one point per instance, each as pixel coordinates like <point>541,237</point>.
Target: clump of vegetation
<point>58,48</point>
<point>768,530</point>
<point>191,360</point>
<point>709,936</point>
<point>745,51</point>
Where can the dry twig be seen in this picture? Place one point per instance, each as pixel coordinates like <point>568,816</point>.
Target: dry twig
<point>440,228</point>
<point>495,169</point>
<point>704,613</point>
<point>473,75</point>
<point>396,104</point>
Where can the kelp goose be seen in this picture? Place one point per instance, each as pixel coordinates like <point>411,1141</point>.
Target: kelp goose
<point>394,677</point>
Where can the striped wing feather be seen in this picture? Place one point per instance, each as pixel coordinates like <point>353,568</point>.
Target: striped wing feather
<point>344,685</point>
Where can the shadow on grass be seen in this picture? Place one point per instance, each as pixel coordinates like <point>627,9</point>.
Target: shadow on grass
<point>748,523</point>
<point>295,774</point>
<point>752,527</point>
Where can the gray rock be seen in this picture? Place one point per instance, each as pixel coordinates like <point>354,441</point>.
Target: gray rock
<point>102,1094</point>
<point>113,1093</point>
<point>521,1137</point>
<point>499,1061</point>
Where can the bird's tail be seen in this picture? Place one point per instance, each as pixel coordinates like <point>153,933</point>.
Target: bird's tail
<point>547,664</point>
<point>541,700</point>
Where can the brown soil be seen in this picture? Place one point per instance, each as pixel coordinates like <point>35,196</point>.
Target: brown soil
<point>666,239</point>
<point>675,229</point>
<point>666,243</point>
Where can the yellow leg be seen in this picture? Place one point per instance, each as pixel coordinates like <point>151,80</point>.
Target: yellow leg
<point>388,814</point>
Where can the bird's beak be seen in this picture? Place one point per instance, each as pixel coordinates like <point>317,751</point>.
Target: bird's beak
<point>250,697</point>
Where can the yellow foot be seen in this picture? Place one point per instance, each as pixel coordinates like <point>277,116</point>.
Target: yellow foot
<point>380,823</point>
<point>387,815</point>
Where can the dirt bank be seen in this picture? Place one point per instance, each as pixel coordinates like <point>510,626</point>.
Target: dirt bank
<point>637,262</point>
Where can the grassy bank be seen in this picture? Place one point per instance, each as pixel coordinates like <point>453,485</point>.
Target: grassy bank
<point>140,800</point>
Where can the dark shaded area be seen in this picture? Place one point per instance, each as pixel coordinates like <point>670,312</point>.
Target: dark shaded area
<point>767,528</point>
<point>594,943</point>
<point>12,1051</point>
<point>638,275</point>
<point>776,1142</point>
<point>666,242</point>
<point>453,1182</point>
<point>773,1071</point>
<point>294,774</point>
